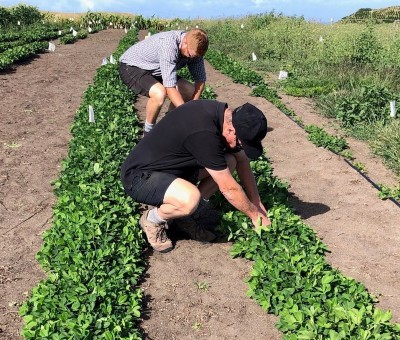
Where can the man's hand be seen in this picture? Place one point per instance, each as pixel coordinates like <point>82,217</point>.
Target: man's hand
<point>261,221</point>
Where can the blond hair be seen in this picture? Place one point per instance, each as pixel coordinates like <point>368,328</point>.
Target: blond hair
<point>197,40</point>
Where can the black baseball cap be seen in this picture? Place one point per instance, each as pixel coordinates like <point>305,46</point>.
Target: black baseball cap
<point>251,127</point>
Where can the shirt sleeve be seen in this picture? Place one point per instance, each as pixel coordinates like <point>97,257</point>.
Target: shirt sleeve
<point>169,54</point>
<point>197,69</point>
<point>207,148</point>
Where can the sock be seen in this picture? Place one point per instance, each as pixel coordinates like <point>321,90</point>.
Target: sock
<point>148,126</point>
<point>154,217</point>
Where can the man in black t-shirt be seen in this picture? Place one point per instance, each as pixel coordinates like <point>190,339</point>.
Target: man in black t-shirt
<point>189,155</point>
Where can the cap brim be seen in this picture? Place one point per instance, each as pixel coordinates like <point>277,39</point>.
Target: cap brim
<point>253,151</point>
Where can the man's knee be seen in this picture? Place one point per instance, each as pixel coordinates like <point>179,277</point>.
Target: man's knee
<point>231,161</point>
<point>185,88</point>
<point>183,195</point>
<point>158,92</point>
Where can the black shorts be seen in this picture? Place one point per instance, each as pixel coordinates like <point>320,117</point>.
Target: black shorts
<point>138,80</point>
<point>149,187</point>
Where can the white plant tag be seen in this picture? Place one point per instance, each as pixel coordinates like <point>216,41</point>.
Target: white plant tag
<point>242,26</point>
<point>112,60</point>
<point>321,39</point>
<point>253,56</point>
<point>392,108</point>
<point>52,47</point>
<point>89,29</point>
<point>126,30</point>
<point>19,22</point>
<point>282,75</point>
<point>104,62</point>
<point>74,33</point>
<point>71,29</point>
<point>59,32</point>
<point>91,114</point>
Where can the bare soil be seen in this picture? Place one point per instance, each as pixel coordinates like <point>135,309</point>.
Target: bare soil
<point>196,291</point>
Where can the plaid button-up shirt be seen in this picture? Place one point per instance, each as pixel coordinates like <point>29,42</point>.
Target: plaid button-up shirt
<point>161,55</point>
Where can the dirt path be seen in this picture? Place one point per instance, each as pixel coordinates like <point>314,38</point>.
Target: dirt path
<point>196,291</point>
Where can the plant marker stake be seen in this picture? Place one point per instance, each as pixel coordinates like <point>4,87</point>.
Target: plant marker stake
<point>253,56</point>
<point>112,60</point>
<point>104,62</point>
<point>89,29</point>
<point>393,108</point>
<point>282,75</point>
<point>242,26</point>
<point>91,114</point>
<point>126,30</point>
<point>52,47</point>
<point>74,33</point>
<point>59,32</point>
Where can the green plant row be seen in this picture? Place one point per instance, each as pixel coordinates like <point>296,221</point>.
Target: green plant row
<point>93,251</point>
<point>290,276</point>
<point>20,53</point>
<point>32,33</point>
<point>25,15</point>
<point>70,38</point>
<point>44,33</point>
<point>387,192</point>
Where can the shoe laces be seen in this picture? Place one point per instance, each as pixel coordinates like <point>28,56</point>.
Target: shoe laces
<point>161,233</point>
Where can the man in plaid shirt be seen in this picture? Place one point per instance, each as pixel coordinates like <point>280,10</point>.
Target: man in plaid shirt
<point>150,67</point>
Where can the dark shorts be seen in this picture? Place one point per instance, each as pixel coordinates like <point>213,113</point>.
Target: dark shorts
<point>138,80</point>
<point>149,187</point>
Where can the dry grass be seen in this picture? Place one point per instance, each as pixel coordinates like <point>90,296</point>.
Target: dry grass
<point>76,16</point>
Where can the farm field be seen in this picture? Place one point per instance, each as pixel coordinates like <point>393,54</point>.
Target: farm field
<point>196,291</point>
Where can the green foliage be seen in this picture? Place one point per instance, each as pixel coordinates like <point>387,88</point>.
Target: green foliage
<point>321,138</point>
<point>366,47</point>
<point>291,278</point>
<point>370,105</point>
<point>25,15</point>
<point>388,192</point>
<point>385,143</point>
<point>306,87</point>
<point>19,53</point>
<point>93,252</point>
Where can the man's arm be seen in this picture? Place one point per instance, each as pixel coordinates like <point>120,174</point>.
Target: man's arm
<point>174,96</point>
<point>235,194</point>
<point>247,179</point>
<point>198,90</point>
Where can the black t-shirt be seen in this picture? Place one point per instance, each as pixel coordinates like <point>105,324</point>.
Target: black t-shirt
<point>186,139</point>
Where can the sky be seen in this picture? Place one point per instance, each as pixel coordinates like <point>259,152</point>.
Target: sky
<point>317,10</point>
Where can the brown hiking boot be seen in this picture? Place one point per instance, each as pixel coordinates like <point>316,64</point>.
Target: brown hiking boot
<point>196,232</point>
<point>156,234</point>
